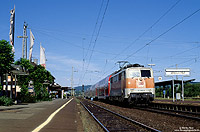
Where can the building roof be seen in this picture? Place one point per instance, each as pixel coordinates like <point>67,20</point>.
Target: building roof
<point>169,82</point>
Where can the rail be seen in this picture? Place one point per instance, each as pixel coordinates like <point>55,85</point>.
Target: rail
<point>109,128</point>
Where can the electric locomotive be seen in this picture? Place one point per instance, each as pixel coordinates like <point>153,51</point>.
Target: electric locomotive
<point>133,83</point>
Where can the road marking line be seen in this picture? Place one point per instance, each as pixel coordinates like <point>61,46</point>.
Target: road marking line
<point>50,117</point>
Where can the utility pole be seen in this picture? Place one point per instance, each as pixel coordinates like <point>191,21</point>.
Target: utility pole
<point>72,82</point>
<point>24,42</point>
<point>151,64</point>
<point>72,89</point>
<point>176,68</point>
<point>82,90</point>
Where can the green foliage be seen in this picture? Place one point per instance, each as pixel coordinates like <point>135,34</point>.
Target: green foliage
<point>28,98</point>
<point>64,96</point>
<point>192,90</point>
<point>1,87</point>
<point>158,92</point>
<point>6,56</point>
<point>23,80</point>
<point>38,75</point>
<point>5,101</point>
<point>24,63</point>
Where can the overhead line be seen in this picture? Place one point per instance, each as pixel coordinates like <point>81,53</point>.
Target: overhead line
<point>148,28</point>
<point>96,38</point>
<point>164,33</point>
<point>145,32</point>
<point>185,51</point>
<point>94,28</point>
<point>83,74</point>
<point>98,33</point>
<point>72,44</point>
<point>160,35</point>
<point>184,61</point>
<point>182,53</point>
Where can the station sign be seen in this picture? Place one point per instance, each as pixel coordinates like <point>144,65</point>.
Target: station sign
<point>177,71</point>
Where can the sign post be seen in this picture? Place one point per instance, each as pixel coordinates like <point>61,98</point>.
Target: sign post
<point>173,87</point>
<point>182,90</point>
<point>164,93</point>
<point>177,71</point>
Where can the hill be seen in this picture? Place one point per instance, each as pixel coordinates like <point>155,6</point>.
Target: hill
<point>79,88</point>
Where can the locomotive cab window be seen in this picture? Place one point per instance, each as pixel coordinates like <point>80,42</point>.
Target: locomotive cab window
<point>145,73</point>
<point>120,76</point>
<point>134,73</point>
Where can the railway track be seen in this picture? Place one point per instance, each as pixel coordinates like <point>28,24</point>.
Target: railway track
<point>177,113</point>
<point>111,121</point>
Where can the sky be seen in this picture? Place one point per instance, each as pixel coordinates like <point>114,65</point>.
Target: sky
<point>93,35</point>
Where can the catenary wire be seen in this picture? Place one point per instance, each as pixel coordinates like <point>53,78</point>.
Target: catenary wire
<point>95,27</point>
<point>163,33</point>
<point>147,30</point>
<point>180,22</point>
<point>96,39</point>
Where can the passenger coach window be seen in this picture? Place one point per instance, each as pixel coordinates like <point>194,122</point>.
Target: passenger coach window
<point>145,73</point>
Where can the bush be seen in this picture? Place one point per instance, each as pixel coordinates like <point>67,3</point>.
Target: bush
<point>5,101</point>
<point>64,96</point>
<point>0,87</point>
<point>46,97</point>
<point>192,90</point>
<point>29,99</point>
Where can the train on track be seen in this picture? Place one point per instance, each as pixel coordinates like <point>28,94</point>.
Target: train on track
<point>132,83</point>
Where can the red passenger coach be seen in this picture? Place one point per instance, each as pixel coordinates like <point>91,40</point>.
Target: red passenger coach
<point>100,90</point>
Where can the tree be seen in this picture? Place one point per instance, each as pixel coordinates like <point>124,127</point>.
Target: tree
<point>23,80</point>
<point>192,90</point>
<point>38,74</point>
<point>6,58</point>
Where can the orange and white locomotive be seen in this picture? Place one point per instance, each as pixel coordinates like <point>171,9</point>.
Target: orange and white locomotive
<point>133,84</point>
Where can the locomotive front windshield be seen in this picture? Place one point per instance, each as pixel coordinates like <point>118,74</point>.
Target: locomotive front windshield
<point>139,73</point>
<point>145,73</point>
<point>134,73</point>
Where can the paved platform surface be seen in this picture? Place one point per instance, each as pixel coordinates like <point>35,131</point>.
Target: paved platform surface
<point>25,118</point>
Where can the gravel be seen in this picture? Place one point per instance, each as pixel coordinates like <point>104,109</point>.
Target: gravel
<point>165,123</point>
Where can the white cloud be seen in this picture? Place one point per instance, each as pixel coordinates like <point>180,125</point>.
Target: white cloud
<point>61,67</point>
<point>61,62</point>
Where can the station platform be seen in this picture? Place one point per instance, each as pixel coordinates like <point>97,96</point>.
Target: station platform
<point>66,120</point>
<point>27,117</point>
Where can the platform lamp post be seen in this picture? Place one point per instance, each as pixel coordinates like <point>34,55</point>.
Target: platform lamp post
<point>17,70</point>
